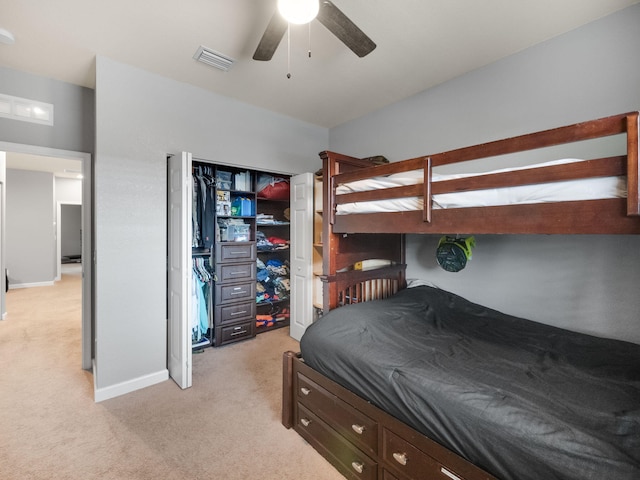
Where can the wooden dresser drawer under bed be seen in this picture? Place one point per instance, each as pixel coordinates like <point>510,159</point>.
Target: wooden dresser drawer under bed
<point>406,458</point>
<point>352,424</point>
<point>332,407</point>
<point>348,459</point>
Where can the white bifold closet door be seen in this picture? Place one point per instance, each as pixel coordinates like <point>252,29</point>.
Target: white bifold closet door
<point>301,254</point>
<point>180,268</point>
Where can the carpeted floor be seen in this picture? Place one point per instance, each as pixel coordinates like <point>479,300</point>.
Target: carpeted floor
<point>227,426</point>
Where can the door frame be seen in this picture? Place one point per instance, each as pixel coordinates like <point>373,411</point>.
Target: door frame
<point>87,246</point>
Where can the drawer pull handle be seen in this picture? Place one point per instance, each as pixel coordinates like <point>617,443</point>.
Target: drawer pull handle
<point>357,466</point>
<point>449,474</point>
<point>237,253</point>
<point>241,332</point>
<point>401,458</point>
<point>305,422</point>
<point>305,390</point>
<point>359,429</point>
<point>242,292</point>
<point>238,313</point>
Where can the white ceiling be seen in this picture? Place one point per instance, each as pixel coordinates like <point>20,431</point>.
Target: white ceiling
<point>421,43</point>
<point>60,167</point>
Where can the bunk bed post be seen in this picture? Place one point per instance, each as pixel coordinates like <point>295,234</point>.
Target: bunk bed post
<point>341,251</point>
<point>426,194</point>
<point>329,244</point>
<point>633,194</point>
<point>287,389</point>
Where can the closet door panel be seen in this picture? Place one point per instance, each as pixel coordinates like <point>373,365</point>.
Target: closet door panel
<point>180,266</point>
<point>301,254</point>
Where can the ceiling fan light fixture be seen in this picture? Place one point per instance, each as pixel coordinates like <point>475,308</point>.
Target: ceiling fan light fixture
<point>298,11</point>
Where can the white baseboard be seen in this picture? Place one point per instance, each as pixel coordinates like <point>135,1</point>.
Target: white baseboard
<point>29,285</point>
<point>129,386</point>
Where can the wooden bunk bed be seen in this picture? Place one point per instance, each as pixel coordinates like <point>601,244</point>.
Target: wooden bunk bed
<point>358,438</point>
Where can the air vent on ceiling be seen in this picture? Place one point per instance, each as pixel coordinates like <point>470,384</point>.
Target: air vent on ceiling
<point>215,59</point>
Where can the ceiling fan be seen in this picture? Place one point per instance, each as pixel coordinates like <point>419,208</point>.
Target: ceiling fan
<point>328,15</point>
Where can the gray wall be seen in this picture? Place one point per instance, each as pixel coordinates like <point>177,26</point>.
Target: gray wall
<point>582,283</point>
<point>140,118</point>
<point>73,115</point>
<point>30,240</point>
<point>70,230</point>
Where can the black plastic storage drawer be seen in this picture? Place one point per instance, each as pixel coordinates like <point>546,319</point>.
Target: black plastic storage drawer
<point>235,252</point>
<point>240,331</point>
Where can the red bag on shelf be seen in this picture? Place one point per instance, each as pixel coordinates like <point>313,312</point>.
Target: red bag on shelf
<point>273,188</point>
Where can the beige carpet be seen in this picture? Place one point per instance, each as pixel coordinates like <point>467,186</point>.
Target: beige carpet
<point>227,426</point>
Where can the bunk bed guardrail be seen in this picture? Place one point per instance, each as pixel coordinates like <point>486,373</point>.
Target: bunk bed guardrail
<point>585,217</point>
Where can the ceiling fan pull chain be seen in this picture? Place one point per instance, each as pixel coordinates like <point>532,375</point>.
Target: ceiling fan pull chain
<point>288,50</point>
<point>309,39</point>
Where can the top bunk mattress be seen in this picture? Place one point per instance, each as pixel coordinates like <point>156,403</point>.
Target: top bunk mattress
<point>522,400</point>
<point>562,191</point>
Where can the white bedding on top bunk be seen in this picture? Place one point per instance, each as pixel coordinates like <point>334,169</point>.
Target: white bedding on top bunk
<point>570,190</point>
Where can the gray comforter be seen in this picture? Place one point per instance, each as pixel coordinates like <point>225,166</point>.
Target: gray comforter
<point>522,400</point>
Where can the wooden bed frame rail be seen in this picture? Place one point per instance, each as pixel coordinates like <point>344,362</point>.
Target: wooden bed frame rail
<point>355,286</point>
<point>608,216</point>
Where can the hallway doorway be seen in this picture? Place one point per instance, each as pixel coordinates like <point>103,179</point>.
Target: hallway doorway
<point>63,166</point>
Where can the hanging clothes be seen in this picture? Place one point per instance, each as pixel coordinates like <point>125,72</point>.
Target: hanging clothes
<point>201,286</point>
<point>203,223</point>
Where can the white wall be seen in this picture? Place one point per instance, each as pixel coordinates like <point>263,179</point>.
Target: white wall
<point>140,118</point>
<point>583,283</point>
<point>68,190</point>
<point>30,240</point>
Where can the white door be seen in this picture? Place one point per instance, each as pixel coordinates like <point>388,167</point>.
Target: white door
<point>179,265</point>
<point>301,254</point>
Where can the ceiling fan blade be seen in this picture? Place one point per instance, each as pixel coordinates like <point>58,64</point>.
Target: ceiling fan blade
<point>343,28</point>
<point>271,38</point>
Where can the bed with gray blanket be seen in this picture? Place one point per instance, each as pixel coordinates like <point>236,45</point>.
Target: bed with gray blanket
<point>520,399</point>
